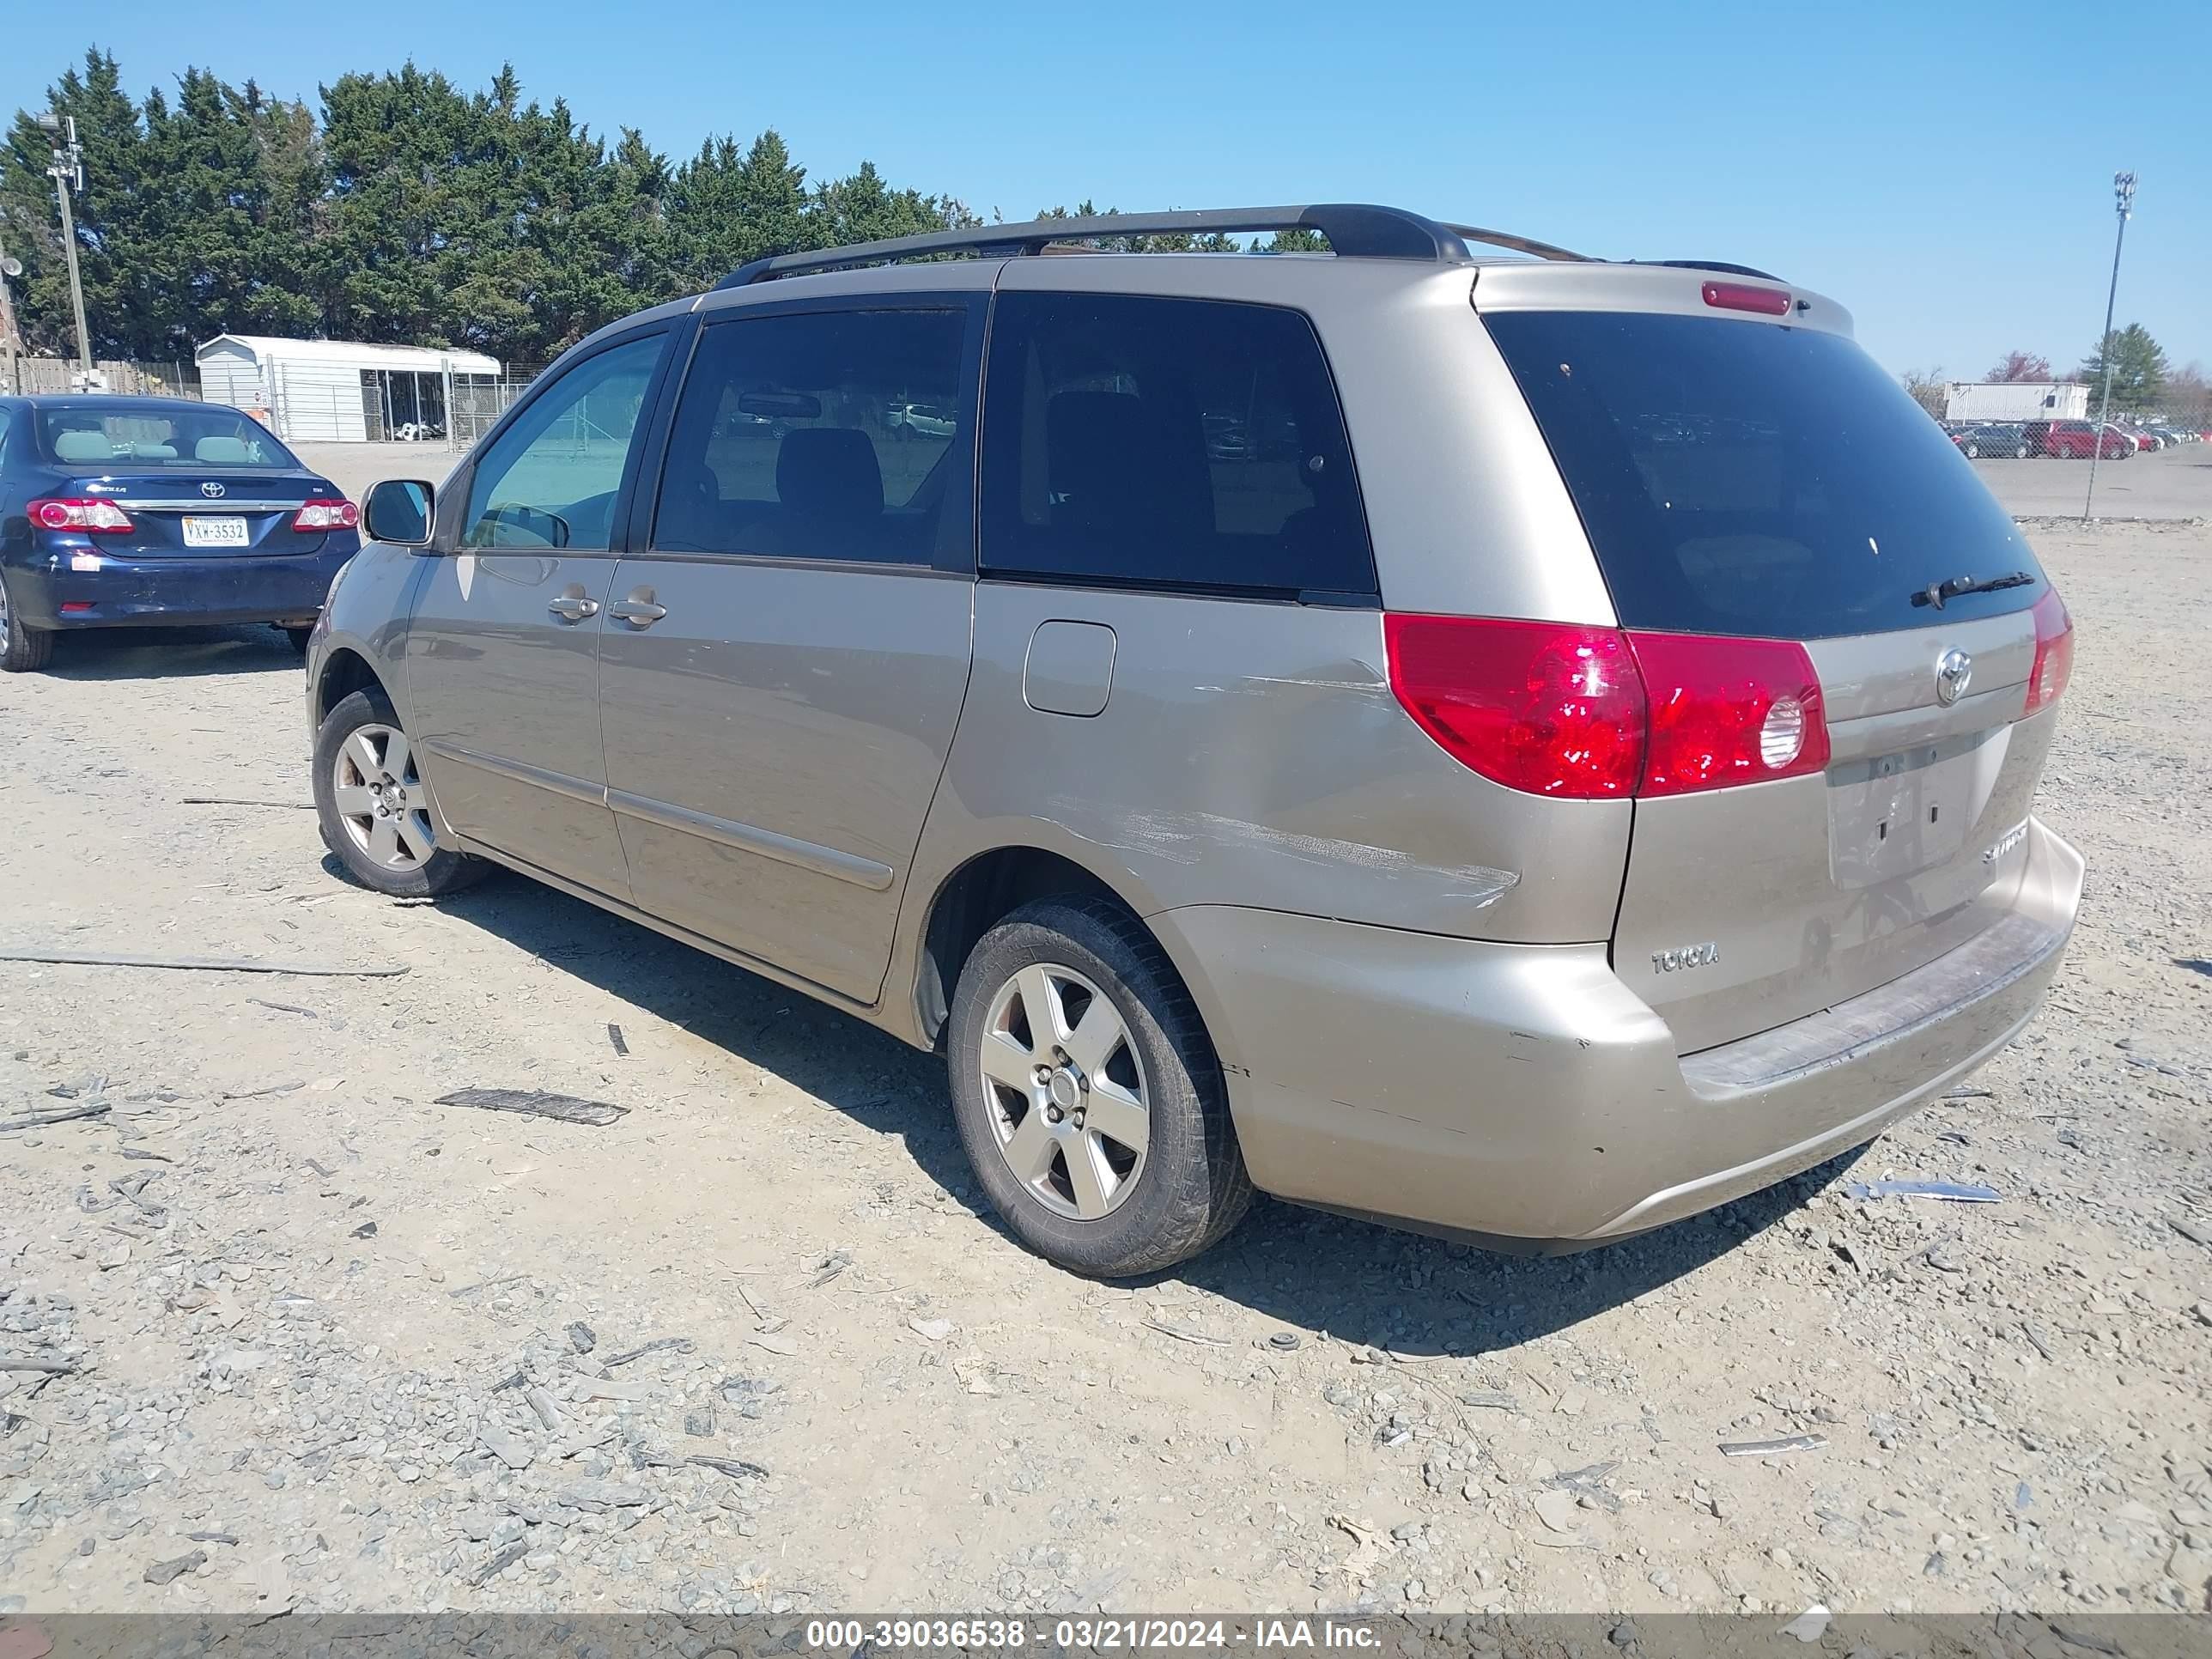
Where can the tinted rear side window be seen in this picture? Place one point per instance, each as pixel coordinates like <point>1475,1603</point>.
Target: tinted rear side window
<point>1167,443</point>
<point>1740,478</point>
<point>822,434</point>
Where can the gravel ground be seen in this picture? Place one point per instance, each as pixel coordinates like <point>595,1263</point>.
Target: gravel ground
<point>278,1331</point>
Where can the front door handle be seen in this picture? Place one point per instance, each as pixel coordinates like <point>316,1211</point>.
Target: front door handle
<point>573,605</point>
<point>638,610</point>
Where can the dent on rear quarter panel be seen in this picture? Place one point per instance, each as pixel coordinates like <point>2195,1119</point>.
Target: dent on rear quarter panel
<point>1252,754</point>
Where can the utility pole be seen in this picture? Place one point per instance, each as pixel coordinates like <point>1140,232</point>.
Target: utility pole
<point>2124,196</point>
<point>9,268</point>
<point>68,171</point>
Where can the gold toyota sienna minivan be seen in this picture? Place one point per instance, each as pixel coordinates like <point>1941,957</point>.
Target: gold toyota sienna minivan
<point>1533,747</point>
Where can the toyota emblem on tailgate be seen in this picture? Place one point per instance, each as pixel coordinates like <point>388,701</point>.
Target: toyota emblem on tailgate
<point>211,489</point>
<point>1954,672</point>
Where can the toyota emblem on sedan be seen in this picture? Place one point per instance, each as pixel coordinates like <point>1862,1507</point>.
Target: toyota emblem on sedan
<point>1954,672</point>
<point>211,489</point>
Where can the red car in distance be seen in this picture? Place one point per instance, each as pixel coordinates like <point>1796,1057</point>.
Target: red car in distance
<point>2076,440</point>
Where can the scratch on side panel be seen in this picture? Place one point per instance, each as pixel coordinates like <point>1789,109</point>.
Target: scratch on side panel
<point>1184,837</point>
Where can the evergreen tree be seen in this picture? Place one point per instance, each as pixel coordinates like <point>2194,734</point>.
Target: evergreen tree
<point>725,206</point>
<point>112,235</point>
<point>2138,370</point>
<point>406,210</point>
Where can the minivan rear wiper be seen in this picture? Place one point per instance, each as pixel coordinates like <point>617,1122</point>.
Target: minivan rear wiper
<point>1936,593</point>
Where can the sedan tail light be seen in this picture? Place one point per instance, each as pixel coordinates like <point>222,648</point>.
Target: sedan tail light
<point>1597,714</point>
<point>78,513</point>
<point>326,515</point>
<point>2054,652</point>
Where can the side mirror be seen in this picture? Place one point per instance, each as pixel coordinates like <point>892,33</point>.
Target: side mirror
<point>400,511</point>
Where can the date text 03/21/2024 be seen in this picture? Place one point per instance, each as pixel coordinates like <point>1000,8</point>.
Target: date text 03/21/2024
<point>1094,1635</point>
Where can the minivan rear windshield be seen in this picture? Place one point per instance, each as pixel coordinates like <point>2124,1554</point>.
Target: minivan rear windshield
<point>1744,478</point>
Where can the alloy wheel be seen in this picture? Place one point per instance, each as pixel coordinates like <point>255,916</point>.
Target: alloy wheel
<point>1068,1096</point>
<point>380,799</point>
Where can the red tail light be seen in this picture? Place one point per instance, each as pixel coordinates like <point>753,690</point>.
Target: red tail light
<point>78,513</point>
<point>326,515</point>
<point>1595,713</point>
<point>1741,296</point>
<point>2054,652</point>
<point>1729,711</point>
<point>1545,707</point>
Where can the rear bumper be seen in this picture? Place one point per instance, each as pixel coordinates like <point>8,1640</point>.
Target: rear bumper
<point>128,592</point>
<point>1525,1094</point>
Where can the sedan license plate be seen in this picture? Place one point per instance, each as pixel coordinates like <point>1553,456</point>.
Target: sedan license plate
<point>227,532</point>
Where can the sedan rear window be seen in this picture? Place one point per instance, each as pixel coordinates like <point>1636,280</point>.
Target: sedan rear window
<point>157,437</point>
<point>1744,479</point>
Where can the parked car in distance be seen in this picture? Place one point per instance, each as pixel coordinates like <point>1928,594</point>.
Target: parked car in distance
<point>2120,442</point>
<point>121,512</point>
<point>2076,440</point>
<point>1230,812</point>
<point>920,421</point>
<point>2001,439</point>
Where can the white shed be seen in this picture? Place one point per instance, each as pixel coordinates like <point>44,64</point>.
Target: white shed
<point>339,390</point>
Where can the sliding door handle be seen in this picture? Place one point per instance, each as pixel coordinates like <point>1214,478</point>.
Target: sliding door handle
<point>573,607</point>
<point>640,612</point>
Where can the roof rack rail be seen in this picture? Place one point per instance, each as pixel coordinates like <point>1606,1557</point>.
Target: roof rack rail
<point>1519,244</point>
<point>1350,228</point>
<point>1712,264</point>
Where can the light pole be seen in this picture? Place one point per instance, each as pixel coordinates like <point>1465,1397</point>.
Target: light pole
<point>2124,196</point>
<point>68,171</point>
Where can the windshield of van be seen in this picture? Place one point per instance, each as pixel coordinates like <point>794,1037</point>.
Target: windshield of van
<point>152,436</point>
<point>1744,478</point>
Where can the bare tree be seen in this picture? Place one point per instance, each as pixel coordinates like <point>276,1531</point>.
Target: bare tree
<point>2020,366</point>
<point>1928,388</point>
<point>2188,396</point>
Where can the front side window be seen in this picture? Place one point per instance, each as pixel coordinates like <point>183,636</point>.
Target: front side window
<point>140,438</point>
<point>1188,444</point>
<point>550,479</point>
<point>821,434</point>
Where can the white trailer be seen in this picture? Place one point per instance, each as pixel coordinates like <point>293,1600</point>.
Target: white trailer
<point>338,391</point>
<point>2016,400</point>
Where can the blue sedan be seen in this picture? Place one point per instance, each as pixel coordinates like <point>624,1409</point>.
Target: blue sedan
<point>127,511</point>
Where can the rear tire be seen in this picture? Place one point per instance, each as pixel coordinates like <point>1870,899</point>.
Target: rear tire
<point>1142,1068</point>
<point>1973,452</point>
<point>2020,454</point>
<point>385,839</point>
<point>22,650</point>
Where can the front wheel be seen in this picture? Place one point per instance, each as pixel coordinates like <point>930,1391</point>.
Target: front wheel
<point>1088,1094</point>
<point>1973,452</point>
<point>373,807</point>
<point>21,649</point>
<point>2020,454</point>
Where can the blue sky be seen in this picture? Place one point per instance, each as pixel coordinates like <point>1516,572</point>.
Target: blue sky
<point>1944,171</point>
